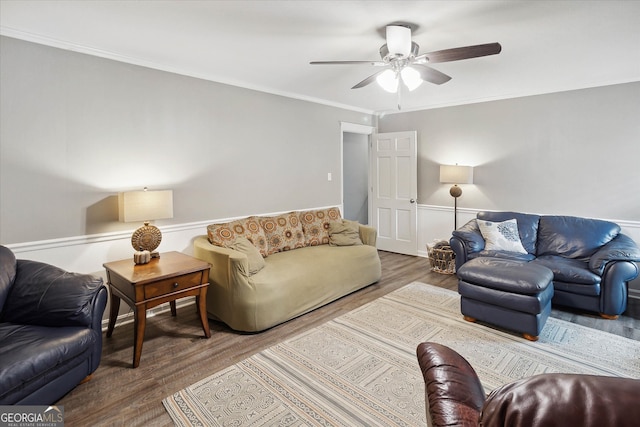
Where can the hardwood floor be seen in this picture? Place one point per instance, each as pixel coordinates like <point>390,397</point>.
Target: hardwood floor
<point>175,353</point>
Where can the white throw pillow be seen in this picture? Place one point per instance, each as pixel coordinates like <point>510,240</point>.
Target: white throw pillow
<point>501,236</point>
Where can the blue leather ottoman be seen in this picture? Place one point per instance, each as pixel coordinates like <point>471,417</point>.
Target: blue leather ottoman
<point>511,294</point>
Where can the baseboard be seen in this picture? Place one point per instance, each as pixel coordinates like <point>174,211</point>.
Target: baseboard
<point>128,317</point>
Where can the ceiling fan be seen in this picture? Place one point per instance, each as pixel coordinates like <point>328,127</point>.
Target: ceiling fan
<point>401,61</point>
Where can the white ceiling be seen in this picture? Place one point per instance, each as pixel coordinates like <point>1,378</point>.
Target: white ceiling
<point>547,46</point>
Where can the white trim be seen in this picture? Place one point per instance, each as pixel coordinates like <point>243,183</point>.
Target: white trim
<point>74,47</point>
<point>357,128</point>
<point>129,316</point>
<point>64,242</point>
<point>458,102</point>
<point>97,238</point>
<point>61,44</point>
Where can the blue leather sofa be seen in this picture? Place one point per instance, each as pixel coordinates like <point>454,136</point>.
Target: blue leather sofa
<point>591,261</point>
<point>50,330</point>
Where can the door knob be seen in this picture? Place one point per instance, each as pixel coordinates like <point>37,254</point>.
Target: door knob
<point>412,200</point>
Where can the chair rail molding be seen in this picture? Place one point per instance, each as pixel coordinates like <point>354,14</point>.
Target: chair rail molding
<point>86,254</point>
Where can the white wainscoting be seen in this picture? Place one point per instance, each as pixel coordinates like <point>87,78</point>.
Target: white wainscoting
<point>86,254</point>
<point>436,223</point>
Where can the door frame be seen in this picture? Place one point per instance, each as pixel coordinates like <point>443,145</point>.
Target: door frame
<point>363,130</point>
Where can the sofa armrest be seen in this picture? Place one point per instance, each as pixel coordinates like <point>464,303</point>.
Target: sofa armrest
<point>454,394</point>
<point>368,235</point>
<point>621,248</point>
<point>226,264</point>
<point>98,305</point>
<point>45,295</point>
<point>469,234</point>
<point>466,240</point>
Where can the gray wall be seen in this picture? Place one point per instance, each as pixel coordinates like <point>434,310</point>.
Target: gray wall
<point>571,153</point>
<point>76,129</point>
<point>356,177</point>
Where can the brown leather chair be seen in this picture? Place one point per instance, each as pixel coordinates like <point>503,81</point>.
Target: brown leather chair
<point>454,396</point>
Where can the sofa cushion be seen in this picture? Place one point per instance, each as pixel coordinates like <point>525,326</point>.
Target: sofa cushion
<point>506,275</point>
<point>527,226</point>
<point>31,355</point>
<point>283,232</point>
<point>568,270</point>
<point>501,236</point>
<point>573,237</point>
<point>7,274</point>
<point>254,257</point>
<point>344,233</point>
<point>226,233</point>
<point>295,282</point>
<point>43,294</point>
<point>502,254</point>
<point>315,225</point>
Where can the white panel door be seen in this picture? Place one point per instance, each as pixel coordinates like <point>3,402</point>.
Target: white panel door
<point>394,177</point>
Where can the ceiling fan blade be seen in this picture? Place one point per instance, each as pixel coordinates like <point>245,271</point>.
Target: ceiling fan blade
<point>431,75</point>
<point>375,63</point>
<point>368,80</point>
<point>458,53</point>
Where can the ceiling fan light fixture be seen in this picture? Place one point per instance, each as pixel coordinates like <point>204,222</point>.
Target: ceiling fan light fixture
<point>388,80</point>
<point>411,78</point>
<point>399,40</point>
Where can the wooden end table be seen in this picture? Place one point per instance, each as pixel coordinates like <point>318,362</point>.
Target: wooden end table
<point>172,276</point>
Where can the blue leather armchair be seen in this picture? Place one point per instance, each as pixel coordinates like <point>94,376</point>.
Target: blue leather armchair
<point>591,261</point>
<point>50,330</point>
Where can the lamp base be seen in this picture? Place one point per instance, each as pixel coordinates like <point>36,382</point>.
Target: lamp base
<point>455,192</point>
<point>146,238</point>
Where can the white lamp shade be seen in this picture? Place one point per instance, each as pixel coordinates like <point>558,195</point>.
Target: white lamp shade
<point>145,205</point>
<point>454,174</point>
<point>411,78</point>
<point>388,80</point>
<point>398,40</point>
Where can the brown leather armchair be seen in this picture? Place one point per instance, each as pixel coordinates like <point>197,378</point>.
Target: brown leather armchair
<point>454,396</point>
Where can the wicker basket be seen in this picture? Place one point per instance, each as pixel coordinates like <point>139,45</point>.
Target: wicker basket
<point>442,259</point>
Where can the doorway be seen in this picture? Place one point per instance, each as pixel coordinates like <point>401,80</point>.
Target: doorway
<point>355,171</point>
<point>355,185</point>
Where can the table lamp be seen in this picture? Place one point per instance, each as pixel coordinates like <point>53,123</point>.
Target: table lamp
<point>145,206</point>
<point>454,174</point>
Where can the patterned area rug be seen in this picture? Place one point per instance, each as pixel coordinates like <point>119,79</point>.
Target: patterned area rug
<point>361,369</point>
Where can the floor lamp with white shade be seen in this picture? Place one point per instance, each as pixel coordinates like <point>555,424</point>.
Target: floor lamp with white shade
<point>455,174</point>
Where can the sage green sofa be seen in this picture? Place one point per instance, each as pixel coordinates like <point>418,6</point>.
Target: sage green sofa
<point>304,271</point>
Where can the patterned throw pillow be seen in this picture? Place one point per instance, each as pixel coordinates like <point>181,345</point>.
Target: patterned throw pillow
<point>227,233</point>
<point>501,236</point>
<point>315,225</point>
<point>283,232</point>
